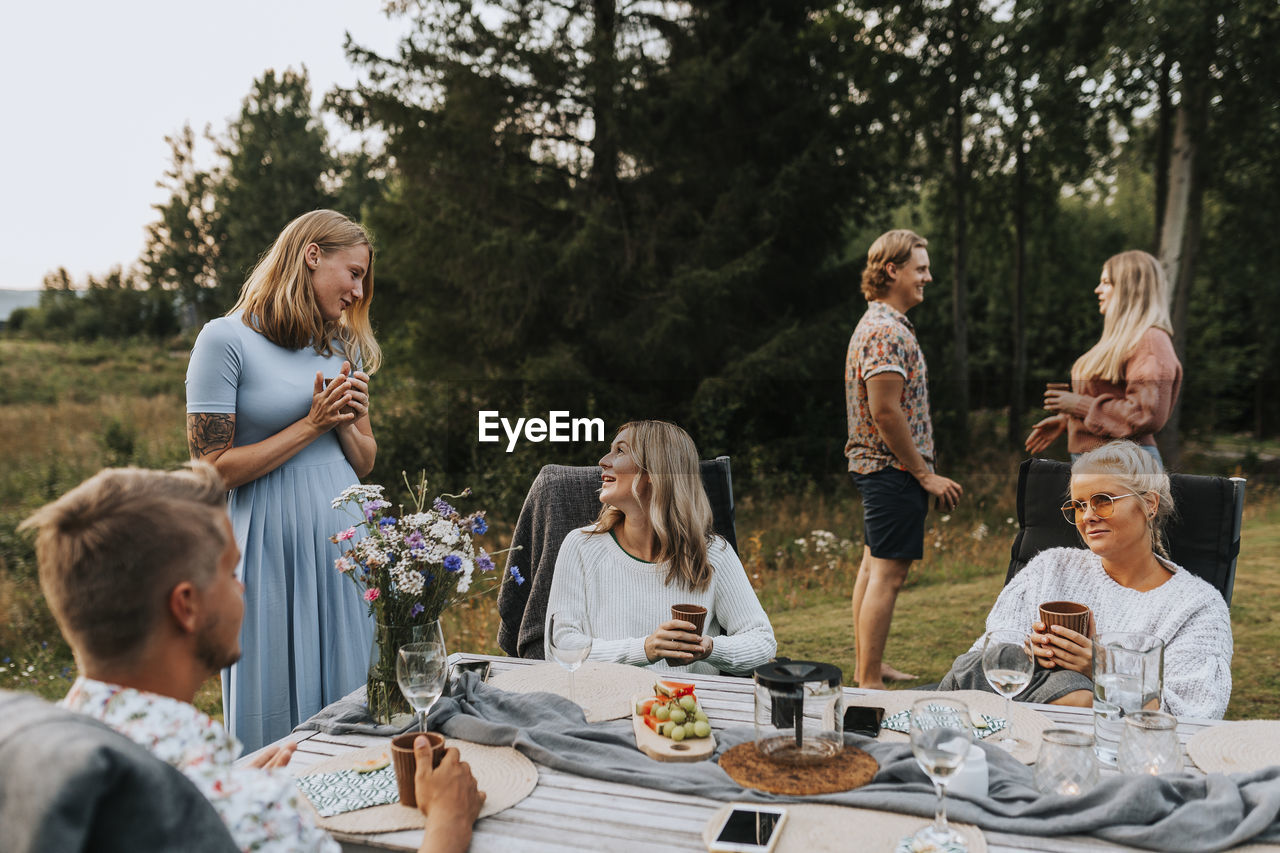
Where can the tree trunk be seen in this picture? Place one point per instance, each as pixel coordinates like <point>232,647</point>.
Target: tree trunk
<point>1180,234</point>
<point>1164,140</point>
<point>1017,392</point>
<point>959,281</point>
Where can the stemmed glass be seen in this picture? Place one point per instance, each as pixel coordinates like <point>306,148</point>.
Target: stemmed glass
<point>940,740</point>
<point>421,669</point>
<point>569,640</point>
<point>1007,665</point>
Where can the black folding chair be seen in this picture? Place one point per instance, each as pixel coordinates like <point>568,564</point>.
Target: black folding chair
<point>563,498</point>
<point>1203,536</point>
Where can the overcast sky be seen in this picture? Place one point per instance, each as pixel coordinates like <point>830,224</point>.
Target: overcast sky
<point>92,89</point>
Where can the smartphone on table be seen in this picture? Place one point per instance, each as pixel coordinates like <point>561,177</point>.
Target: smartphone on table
<point>749,828</point>
<point>862,720</point>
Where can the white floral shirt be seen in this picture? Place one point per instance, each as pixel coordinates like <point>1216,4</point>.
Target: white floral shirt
<point>260,807</point>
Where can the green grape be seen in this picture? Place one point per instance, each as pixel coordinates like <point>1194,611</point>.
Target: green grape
<point>688,729</point>
<point>701,728</point>
<point>662,712</point>
<point>678,715</point>
<point>688,703</point>
<point>677,733</point>
<point>700,716</point>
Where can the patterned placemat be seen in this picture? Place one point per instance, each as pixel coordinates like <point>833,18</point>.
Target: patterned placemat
<point>848,769</point>
<point>1236,747</point>
<point>603,690</point>
<point>814,828</point>
<point>1028,723</point>
<point>505,776</point>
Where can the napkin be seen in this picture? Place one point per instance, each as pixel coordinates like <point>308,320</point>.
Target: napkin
<point>346,790</point>
<point>901,722</point>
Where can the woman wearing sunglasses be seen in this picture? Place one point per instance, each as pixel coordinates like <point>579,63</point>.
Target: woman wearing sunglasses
<point>1124,387</point>
<point>1118,503</point>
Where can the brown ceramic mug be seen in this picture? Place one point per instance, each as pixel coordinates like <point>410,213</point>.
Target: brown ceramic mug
<point>1068,614</point>
<point>406,762</point>
<point>690,613</point>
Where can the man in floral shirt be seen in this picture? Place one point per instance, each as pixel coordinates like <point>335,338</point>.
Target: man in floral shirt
<point>138,568</point>
<point>890,446</point>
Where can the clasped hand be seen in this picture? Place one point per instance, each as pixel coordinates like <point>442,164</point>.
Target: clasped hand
<point>677,641</point>
<point>1056,647</point>
<point>344,400</point>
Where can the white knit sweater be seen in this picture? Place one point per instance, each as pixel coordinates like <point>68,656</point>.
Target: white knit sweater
<point>624,600</point>
<point>1184,611</point>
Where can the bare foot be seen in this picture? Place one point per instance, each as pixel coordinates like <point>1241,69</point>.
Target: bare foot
<point>888,673</point>
<point>872,685</point>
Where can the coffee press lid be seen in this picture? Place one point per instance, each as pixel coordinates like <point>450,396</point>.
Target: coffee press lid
<point>785,674</point>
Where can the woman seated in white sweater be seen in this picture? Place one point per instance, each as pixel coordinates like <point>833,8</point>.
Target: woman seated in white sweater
<point>653,547</point>
<point>1119,502</point>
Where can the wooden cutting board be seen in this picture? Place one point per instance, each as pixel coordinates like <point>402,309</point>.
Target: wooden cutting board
<point>662,748</point>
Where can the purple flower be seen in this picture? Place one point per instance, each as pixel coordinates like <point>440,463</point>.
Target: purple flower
<point>484,562</point>
<point>415,540</point>
<point>515,574</point>
<point>443,508</point>
<point>453,563</point>
<point>415,610</point>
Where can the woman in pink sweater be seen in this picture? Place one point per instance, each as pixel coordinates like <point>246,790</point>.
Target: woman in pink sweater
<point>1125,386</point>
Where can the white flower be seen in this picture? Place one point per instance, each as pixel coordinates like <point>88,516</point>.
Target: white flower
<point>445,531</point>
<point>945,519</point>
<point>979,533</point>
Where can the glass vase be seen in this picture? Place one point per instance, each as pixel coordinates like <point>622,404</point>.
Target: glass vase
<point>383,692</point>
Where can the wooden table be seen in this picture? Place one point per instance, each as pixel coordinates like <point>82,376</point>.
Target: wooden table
<point>569,812</point>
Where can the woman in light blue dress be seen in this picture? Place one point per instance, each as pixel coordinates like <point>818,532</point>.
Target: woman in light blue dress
<point>278,402</point>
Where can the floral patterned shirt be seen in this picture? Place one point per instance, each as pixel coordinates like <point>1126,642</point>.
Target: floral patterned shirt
<point>260,807</point>
<point>884,340</point>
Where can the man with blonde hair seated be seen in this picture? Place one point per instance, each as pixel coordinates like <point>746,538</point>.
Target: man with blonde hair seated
<point>138,568</point>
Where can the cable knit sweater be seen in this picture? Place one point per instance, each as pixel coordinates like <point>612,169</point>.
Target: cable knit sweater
<point>1184,611</point>
<point>624,600</point>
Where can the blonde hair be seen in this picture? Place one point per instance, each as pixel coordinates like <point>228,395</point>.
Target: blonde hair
<point>112,549</point>
<point>678,509</point>
<point>278,299</point>
<point>892,247</point>
<point>1137,471</point>
<point>1139,301</point>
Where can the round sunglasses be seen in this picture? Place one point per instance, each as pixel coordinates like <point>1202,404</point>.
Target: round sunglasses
<point>1103,506</point>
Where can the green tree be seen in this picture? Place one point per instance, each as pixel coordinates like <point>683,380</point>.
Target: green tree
<point>180,252</point>
<point>274,168</point>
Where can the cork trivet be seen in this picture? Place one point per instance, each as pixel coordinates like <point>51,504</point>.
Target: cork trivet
<point>850,768</point>
<point>603,690</point>
<point>814,828</point>
<point>505,775</point>
<point>1236,747</point>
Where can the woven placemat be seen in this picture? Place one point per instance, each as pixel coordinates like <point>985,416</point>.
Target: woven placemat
<point>812,828</point>
<point>1028,723</point>
<point>505,776</point>
<point>1236,747</point>
<point>603,690</point>
<point>850,768</point>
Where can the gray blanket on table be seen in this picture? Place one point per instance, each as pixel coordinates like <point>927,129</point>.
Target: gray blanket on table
<point>1171,813</point>
<point>1045,686</point>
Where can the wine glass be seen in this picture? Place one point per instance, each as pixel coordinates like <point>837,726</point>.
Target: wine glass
<point>421,669</point>
<point>569,641</point>
<point>940,740</point>
<point>1007,665</point>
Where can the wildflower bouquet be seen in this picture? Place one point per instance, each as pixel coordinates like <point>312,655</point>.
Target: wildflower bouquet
<point>410,566</point>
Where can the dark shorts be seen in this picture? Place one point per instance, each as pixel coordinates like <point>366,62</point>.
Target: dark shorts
<point>894,505</point>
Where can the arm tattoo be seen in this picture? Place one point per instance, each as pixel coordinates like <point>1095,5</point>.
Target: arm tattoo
<point>209,433</point>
